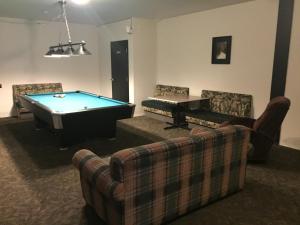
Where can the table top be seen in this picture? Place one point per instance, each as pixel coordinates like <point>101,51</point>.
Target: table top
<point>67,102</point>
<point>178,99</point>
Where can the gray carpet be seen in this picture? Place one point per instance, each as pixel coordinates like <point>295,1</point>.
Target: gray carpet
<point>40,187</point>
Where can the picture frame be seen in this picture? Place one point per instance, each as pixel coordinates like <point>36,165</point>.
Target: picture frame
<point>221,50</point>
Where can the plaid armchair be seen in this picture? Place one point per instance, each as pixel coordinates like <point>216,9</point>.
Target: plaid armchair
<point>156,183</point>
<point>22,89</point>
<point>264,130</point>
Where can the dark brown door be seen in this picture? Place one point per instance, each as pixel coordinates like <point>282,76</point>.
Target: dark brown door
<point>120,70</point>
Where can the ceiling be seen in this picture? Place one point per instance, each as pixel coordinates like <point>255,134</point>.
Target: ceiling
<point>107,11</point>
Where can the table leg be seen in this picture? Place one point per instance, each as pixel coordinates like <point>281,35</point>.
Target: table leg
<point>178,119</point>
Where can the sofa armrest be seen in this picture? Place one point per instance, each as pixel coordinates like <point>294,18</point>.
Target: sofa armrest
<point>245,121</point>
<point>198,130</point>
<point>97,172</point>
<point>261,147</point>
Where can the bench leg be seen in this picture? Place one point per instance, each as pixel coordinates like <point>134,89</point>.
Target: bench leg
<point>18,114</point>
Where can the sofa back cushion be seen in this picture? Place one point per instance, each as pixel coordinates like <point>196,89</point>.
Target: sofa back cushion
<point>166,90</point>
<point>22,89</point>
<point>166,179</point>
<point>229,103</point>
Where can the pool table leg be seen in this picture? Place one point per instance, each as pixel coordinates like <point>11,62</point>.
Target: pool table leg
<point>67,137</point>
<point>38,123</point>
<point>110,132</point>
<point>63,140</point>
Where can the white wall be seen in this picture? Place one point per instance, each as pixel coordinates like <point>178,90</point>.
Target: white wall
<point>175,51</point>
<point>142,61</point>
<point>144,51</point>
<point>107,34</point>
<point>290,135</point>
<point>23,45</point>
<point>22,61</point>
<point>185,42</point>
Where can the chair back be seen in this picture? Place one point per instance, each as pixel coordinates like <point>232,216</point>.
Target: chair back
<point>270,121</point>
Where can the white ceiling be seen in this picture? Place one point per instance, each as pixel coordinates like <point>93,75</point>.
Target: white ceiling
<point>107,11</point>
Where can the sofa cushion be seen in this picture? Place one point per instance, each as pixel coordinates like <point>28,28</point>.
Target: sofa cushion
<point>207,118</point>
<point>23,89</point>
<point>165,106</point>
<point>158,111</point>
<point>166,90</point>
<point>160,107</point>
<point>229,103</point>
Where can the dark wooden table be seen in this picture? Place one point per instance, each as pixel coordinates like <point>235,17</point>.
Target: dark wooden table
<point>181,104</point>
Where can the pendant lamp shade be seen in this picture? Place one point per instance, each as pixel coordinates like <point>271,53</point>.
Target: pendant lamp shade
<point>50,52</point>
<point>82,50</point>
<point>70,51</point>
<point>59,53</point>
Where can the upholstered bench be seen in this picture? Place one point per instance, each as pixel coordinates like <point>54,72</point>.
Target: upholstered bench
<point>164,108</point>
<point>223,106</point>
<point>22,89</point>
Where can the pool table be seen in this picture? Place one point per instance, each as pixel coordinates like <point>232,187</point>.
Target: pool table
<point>76,115</point>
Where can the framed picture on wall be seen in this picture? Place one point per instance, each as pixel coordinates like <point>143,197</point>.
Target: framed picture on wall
<point>221,50</point>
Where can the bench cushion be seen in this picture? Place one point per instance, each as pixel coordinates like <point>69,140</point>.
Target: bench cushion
<point>229,103</point>
<point>158,107</point>
<point>164,108</point>
<point>166,90</point>
<point>22,89</point>
<point>207,118</point>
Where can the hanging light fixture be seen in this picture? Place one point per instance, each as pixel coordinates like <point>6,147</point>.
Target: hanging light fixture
<point>50,52</point>
<point>67,50</point>
<point>82,50</point>
<point>81,2</point>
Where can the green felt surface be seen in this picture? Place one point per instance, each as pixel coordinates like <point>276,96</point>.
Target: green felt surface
<point>74,101</point>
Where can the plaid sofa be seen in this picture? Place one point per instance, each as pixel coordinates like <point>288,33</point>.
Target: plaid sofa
<point>223,106</point>
<point>156,183</point>
<point>164,108</point>
<point>22,89</point>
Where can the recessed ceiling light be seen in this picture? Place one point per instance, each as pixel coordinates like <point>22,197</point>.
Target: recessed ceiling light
<point>81,2</point>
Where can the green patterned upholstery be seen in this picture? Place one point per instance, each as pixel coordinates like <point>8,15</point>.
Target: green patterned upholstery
<point>163,108</point>
<point>166,90</point>
<point>158,111</point>
<point>229,103</point>
<point>223,106</point>
<point>207,118</point>
<point>22,89</point>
